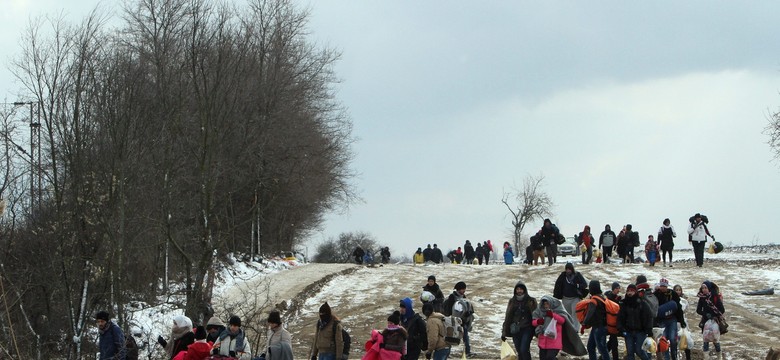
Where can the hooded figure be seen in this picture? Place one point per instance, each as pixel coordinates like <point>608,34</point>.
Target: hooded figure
<point>571,342</point>
<point>415,327</point>
<point>214,327</point>
<point>181,336</point>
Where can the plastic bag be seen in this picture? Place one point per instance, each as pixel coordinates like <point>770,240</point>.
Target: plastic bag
<point>507,351</point>
<point>649,345</point>
<point>551,332</point>
<point>711,331</point>
<point>689,338</point>
<point>682,343</point>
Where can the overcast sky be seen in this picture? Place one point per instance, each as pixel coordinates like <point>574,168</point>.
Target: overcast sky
<point>633,111</point>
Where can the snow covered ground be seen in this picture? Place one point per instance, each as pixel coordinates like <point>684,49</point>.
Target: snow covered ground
<point>363,297</point>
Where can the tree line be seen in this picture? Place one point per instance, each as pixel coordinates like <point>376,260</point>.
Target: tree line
<point>186,130</point>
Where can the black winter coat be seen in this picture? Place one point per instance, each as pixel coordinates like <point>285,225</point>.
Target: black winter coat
<point>634,316</point>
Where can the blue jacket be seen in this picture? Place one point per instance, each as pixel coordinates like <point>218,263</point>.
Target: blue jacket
<point>111,342</point>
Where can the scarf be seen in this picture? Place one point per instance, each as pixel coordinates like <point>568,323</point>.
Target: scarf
<point>239,336</point>
<point>710,304</point>
<point>176,334</point>
<point>520,297</point>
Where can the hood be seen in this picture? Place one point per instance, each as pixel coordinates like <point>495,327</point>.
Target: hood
<point>607,228</point>
<point>714,290</point>
<point>407,304</point>
<point>521,285</point>
<point>554,303</point>
<point>594,287</point>
<point>569,266</point>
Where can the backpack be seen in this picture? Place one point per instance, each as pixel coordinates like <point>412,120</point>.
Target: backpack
<point>462,309</point>
<point>651,301</point>
<point>560,239</point>
<point>345,337</point>
<point>453,330</point>
<point>635,238</point>
<point>612,314</point>
<point>582,309</point>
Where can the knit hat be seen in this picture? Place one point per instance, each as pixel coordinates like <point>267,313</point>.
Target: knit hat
<point>394,318</point>
<point>663,282</point>
<point>200,333</point>
<point>274,317</point>
<point>616,285</point>
<point>641,279</point>
<point>214,322</point>
<point>431,277</point>
<point>325,309</point>
<point>102,315</point>
<point>235,320</point>
<point>460,285</point>
<point>427,308</point>
<point>594,287</point>
<point>630,287</point>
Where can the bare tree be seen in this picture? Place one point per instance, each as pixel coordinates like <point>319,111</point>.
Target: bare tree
<point>340,250</point>
<point>526,205</point>
<point>773,131</point>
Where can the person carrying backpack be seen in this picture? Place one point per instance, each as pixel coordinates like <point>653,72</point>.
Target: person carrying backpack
<point>596,319</point>
<point>437,349</point>
<point>457,304</point>
<point>670,313</point>
<point>635,323</point>
<point>607,243</point>
<point>416,329</point>
<point>570,288</point>
<point>111,339</point>
<point>614,295</point>
<point>697,236</point>
<point>666,235</point>
<point>328,341</point>
<point>517,321</point>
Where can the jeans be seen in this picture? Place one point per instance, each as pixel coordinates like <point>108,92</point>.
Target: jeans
<point>466,340</point>
<point>698,252</point>
<point>522,343</point>
<point>670,332</point>
<point>634,341</point>
<point>326,356</point>
<point>598,339</point>
<point>606,252</point>
<point>441,354</point>
<point>587,256</point>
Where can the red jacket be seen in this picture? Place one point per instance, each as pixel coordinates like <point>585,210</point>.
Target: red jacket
<point>199,350</point>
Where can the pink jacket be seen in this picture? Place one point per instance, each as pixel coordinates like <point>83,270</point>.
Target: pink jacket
<point>547,343</point>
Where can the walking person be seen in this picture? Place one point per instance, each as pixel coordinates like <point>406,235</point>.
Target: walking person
<point>670,314</point>
<point>550,233</point>
<point>458,297</point>
<point>632,241</point>
<point>509,255</point>
<point>651,250</point>
<point>683,306</point>
<point>233,341</point>
<point>570,288</point>
<point>416,329</point>
<point>697,236</point>
<point>468,252</point>
<point>432,287</point>
<point>614,295</point>
<point>111,339</point>
<point>635,323</point>
<point>587,242</point>
<point>478,252</point>
<point>550,339</point>
<point>517,321</point>
<point>607,242</point>
<point>279,343</point>
<point>437,349</point>
<point>328,341</point>
<point>666,235</point>
<point>710,307</point>
<point>596,319</point>
<point>181,336</point>
<point>487,248</point>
